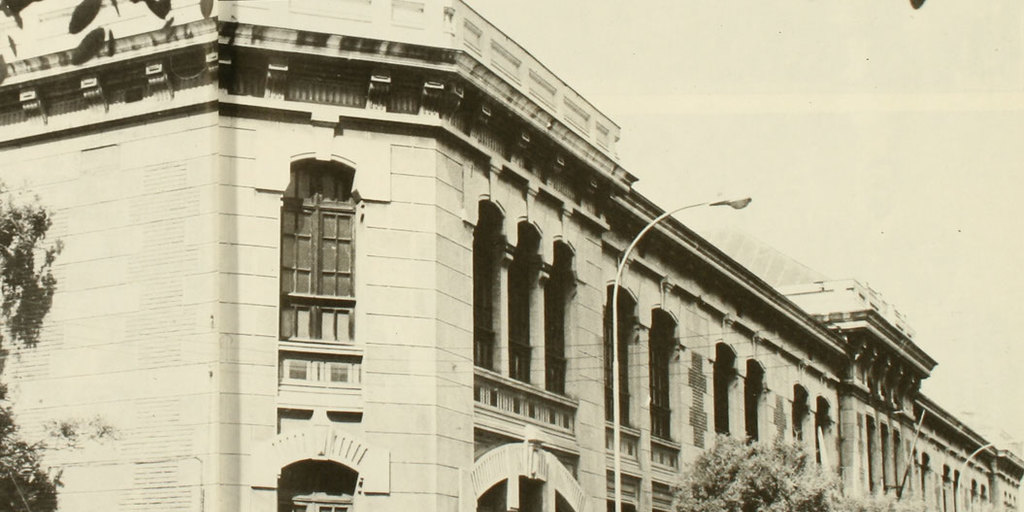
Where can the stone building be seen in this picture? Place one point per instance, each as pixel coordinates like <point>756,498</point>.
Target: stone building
<point>357,254</point>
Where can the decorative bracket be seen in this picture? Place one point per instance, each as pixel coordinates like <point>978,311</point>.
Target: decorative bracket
<point>32,104</point>
<point>433,99</point>
<point>377,94</point>
<point>157,83</point>
<point>277,77</point>
<point>92,91</point>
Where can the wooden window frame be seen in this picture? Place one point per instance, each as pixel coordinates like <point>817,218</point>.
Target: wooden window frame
<point>303,307</point>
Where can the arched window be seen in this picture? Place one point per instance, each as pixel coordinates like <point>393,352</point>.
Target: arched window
<point>946,479</point>
<point>662,346</point>
<point>627,327</point>
<point>974,495</point>
<point>898,463</point>
<point>753,388</point>
<point>522,279</point>
<point>801,408</point>
<point>488,245</point>
<point>956,491</point>
<point>557,296</point>
<point>724,375</point>
<point>924,476</point>
<point>317,294</point>
<point>885,450</point>
<point>873,455</point>
<point>822,428</point>
<point>316,486</point>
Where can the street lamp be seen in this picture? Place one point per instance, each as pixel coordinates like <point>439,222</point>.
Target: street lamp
<point>964,465</point>
<point>616,406</point>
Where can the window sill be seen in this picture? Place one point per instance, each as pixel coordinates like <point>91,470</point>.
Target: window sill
<point>311,346</point>
<point>286,384</point>
<point>345,301</point>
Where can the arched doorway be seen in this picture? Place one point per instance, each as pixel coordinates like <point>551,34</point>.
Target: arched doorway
<point>316,486</point>
<point>318,469</point>
<point>524,477</point>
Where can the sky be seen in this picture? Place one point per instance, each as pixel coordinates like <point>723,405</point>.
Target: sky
<point>878,142</point>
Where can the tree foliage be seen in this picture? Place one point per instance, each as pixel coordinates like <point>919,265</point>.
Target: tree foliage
<point>782,477</point>
<point>27,285</point>
<point>738,477</point>
<point>26,269</point>
<point>24,484</point>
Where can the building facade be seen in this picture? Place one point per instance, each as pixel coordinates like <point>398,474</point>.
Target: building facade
<point>357,254</point>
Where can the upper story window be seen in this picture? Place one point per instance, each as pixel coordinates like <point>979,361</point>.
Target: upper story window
<point>488,245</point>
<point>522,281</point>
<point>662,347</point>
<point>557,296</point>
<point>317,253</point>
<point>627,320</point>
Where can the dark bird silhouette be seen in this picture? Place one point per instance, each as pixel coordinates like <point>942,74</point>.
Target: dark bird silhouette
<point>89,47</point>
<point>83,15</point>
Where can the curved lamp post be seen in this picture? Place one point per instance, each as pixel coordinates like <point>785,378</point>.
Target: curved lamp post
<point>960,473</point>
<point>616,406</point>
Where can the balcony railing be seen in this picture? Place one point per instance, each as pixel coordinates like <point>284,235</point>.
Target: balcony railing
<point>554,374</point>
<point>509,397</point>
<point>519,361</point>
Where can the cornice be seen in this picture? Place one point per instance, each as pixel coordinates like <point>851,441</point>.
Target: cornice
<point>872,322</point>
<point>138,47</point>
<point>693,243</point>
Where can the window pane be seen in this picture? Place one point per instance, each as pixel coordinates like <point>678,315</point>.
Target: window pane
<point>345,227</point>
<point>302,282</point>
<point>338,372</point>
<point>303,184</point>
<point>296,370</point>
<point>287,221</point>
<point>304,256</point>
<point>329,256</point>
<point>344,285</point>
<point>342,325</point>
<point>327,327</point>
<point>302,323</point>
<point>344,256</point>
<point>330,226</point>
<point>303,227</point>
<point>287,323</point>
<point>328,284</point>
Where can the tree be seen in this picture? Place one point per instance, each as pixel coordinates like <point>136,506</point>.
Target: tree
<point>756,477</point>
<point>27,285</point>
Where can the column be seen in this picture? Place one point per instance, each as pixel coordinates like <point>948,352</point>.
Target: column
<point>875,456</point>
<point>848,444</point>
<point>888,460</point>
<point>501,359</point>
<point>538,359</point>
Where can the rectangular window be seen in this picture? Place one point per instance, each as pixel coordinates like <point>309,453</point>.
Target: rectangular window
<point>316,323</point>
<point>298,369</point>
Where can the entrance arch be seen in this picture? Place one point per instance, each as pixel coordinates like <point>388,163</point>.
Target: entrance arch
<point>324,443</point>
<point>507,463</point>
